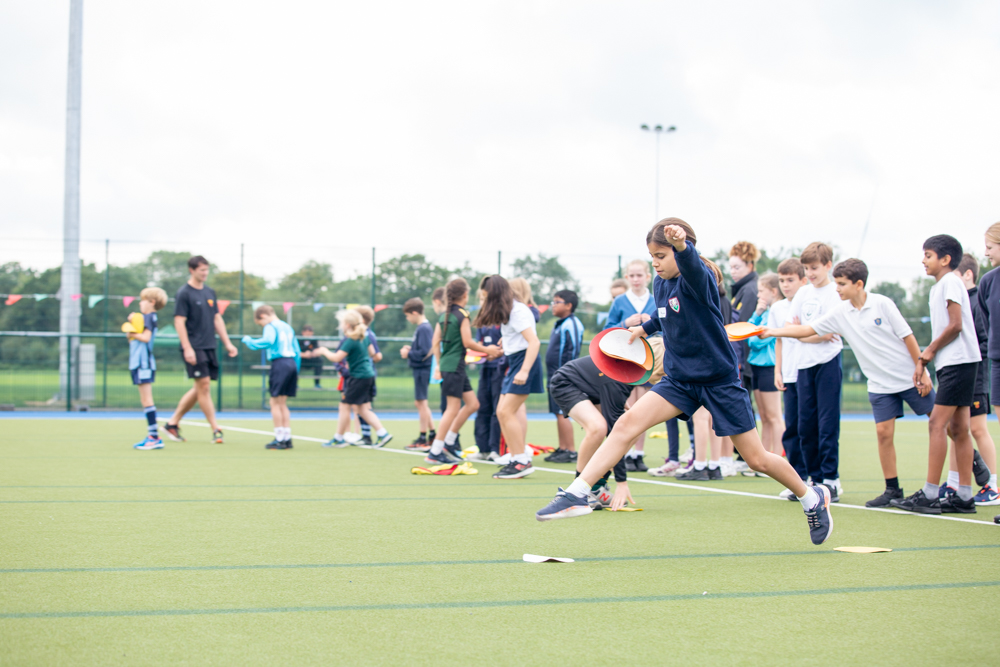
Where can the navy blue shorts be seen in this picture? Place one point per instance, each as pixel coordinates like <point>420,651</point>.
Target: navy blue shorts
<point>887,407</point>
<point>358,391</point>
<point>143,376</point>
<point>729,404</point>
<point>534,385</point>
<point>284,377</point>
<point>421,378</point>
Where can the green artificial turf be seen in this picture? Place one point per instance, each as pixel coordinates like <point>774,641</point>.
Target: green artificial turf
<point>230,554</point>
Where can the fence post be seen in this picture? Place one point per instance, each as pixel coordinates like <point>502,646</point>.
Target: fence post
<point>218,384</point>
<point>619,266</point>
<point>107,286</point>
<point>239,361</point>
<point>373,278</point>
<point>499,262</point>
<point>69,373</point>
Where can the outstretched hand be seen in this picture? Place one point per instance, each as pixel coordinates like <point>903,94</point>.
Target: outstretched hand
<point>621,495</point>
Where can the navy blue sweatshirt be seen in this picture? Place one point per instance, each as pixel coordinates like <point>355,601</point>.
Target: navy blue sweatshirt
<point>490,336</point>
<point>696,347</point>
<point>420,349</point>
<point>989,303</point>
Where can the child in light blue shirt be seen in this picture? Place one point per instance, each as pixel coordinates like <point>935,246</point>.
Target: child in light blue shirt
<point>285,357</point>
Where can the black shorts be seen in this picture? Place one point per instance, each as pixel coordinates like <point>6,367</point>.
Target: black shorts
<point>358,391</point>
<point>206,365</point>
<point>455,383</point>
<point>421,378</point>
<point>564,395</point>
<point>284,378</point>
<point>956,384</point>
<point>980,405</point>
<point>762,378</point>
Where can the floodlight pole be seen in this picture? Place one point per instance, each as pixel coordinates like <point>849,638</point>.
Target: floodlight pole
<point>69,307</point>
<point>657,130</point>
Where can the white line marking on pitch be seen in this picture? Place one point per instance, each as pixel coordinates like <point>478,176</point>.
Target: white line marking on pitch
<point>633,479</point>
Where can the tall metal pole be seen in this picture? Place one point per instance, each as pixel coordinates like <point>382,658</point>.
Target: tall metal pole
<point>69,308</point>
<point>107,292</point>
<point>657,130</point>
<point>499,257</point>
<point>239,359</point>
<point>373,278</point>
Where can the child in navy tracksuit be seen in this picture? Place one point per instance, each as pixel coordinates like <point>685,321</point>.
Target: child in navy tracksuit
<point>564,347</point>
<point>701,370</point>
<point>490,377</point>
<point>419,357</point>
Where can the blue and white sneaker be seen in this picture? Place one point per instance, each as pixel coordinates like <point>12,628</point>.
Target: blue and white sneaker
<point>987,496</point>
<point>946,491</point>
<point>336,442</point>
<point>149,443</point>
<point>444,458</point>
<point>819,518</point>
<point>455,450</point>
<point>564,506</point>
<point>381,440</point>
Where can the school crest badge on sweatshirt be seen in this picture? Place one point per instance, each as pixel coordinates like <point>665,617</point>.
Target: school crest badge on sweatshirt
<point>878,321</point>
<point>675,304</point>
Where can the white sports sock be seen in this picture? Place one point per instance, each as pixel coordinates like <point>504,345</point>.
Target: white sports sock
<point>437,446</point>
<point>931,490</point>
<point>450,438</point>
<point>712,465</point>
<point>630,453</point>
<point>578,488</point>
<point>288,433</point>
<point>810,500</point>
<point>964,492</point>
<point>381,432</point>
<point>726,459</point>
<point>953,479</point>
<point>523,458</point>
<point>277,433</point>
<point>699,465</point>
<point>993,481</point>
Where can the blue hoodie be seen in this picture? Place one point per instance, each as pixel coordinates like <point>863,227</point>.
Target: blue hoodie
<point>696,346</point>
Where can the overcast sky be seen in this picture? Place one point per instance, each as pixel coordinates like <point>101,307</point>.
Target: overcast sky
<point>317,130</point>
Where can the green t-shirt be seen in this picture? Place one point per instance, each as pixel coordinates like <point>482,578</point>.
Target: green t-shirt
<point>357,357</point>
<point>452,348</point>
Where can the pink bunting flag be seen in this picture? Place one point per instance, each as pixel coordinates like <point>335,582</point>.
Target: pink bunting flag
<point>380,307</point>
<point>127,300</point>
<point>223,304</point>
<point>542,309</point>
<point>12,299</point>
<point>75,297</point>
<point>287,306</point>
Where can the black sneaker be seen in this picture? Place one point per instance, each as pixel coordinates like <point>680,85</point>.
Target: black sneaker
<point>629,464</point>
<point>979,469</point>
<point>174,432</point>
<point>217,436</point>
<point>514,470</point>
<point>444,458</point>
<point>887,496</point>
<point>955,505</point>
<point>287,444</point>
<point>714,475</point>
<point>422,440</point>
<point>431,435</point>
<point>274,444</point>
<point>365,441</point>
<point>455,450</point>
<point>695,475</point>
<point>834,496</point>
<point>640,465</point>
<point>572,457</point>
<point>819,518</point>
<point>559,456</point>
<point>918,503</point>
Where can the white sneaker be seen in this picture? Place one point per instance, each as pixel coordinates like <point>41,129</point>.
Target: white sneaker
<point>787,495</point>
<point>728,469</point>
<point>352,438</point>
<point>668,469</point>
<point>503,460</point>
<point>686,457</point>
<point>478,456</point>
<point>740,466</point>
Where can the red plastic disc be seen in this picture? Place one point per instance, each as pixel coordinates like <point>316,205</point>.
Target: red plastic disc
<point>616,369</point>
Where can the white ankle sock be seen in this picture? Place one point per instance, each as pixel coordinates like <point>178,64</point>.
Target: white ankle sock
<point>523,458</point>
<point>381,432</point>
<point>578,488</point>
<point>953,479</point>
<point>712,465</point>
<point>726,459</point>
<point>810,500</point>
<point>993,481</point>
<point>931,490</point>
<point>699,465</point>
<point>277,433</point>
<point>450,438</point>
<point>437,446</point>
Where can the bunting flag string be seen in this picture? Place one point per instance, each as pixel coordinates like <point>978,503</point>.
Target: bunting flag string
<point>380,307</point>
<point>127,300</point>
<point>223,304</point>
<point>287,305</point>
<point>317,307</point>
<point>93,299</point>
<point>12,299</point>
<point>41,297</point>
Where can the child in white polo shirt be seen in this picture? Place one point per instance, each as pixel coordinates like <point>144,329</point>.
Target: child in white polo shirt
<point>791,277</point>
<point>887,352</point>
<point>956,357</point>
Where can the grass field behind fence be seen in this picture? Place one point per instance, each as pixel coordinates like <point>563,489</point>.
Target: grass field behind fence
<point>230,554</point>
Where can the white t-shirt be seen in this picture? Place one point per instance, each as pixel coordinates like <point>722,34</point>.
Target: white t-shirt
<point>521,318</point>
<point>810,304</point>
<point>875,334</point>
<point>638,302</point>
<point>776,317</point>
<point>965,348</point>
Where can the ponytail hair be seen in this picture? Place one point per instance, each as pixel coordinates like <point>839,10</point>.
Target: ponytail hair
<point>497,302</point>
<point>351,324</point>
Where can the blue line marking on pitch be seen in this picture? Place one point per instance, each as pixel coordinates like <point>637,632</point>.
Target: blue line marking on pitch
<point>682,597</point>
<point>419,563</point>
